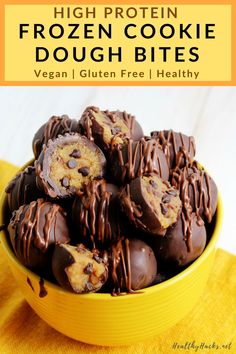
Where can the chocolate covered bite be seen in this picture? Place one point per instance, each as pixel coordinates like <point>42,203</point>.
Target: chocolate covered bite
<point>51,129</point>
<point>109,128</point>
<point>95,214</point>
<point>180,247</point>
<point>68,163</point>
<point>77,269</point>
<point>197,188</point>
<point>22,189</point>
<point>34,230</point>
<point>173,143</point>
<point>133,265</point>
<point>151,204</point>
<point>136,158</point>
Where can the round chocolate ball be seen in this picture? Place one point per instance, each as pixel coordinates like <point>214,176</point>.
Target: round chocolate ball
<point>197,188</point>
<point>34,230</point>
<point>67,163</point>
<point>51,129</point>
<point>136,158</point>
<point>151,204</point>
<point>133,265</point>
<point>178,248</point>
<point>95,214</point>
<point>109,128</point>
<point>22,189</point>
<point>173,144</point>
<point>77,269</point>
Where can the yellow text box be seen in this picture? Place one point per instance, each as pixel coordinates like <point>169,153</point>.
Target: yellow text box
<point>104,43</point>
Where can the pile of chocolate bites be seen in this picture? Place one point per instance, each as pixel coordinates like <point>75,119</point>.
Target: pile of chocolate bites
<point>105,208</point>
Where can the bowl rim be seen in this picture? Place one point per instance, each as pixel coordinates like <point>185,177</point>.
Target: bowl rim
<point>107,296</point>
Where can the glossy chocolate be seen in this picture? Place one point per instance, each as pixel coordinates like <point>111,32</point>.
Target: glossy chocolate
<point>108,128</point>
<point>133,266</point>
<point>55,126</point>
<point>173,143</point>
<point>197,188</point>
<point>136,158</point>
<point>22,189</point>
<point>151,204</point>
<point>95,214</point>
<point>176,247</point>
<point>65,187</point>
<point>34,230</point>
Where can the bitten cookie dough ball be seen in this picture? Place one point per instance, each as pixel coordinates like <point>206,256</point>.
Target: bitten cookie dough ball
<point>109,128</point>
<point>135,158</point>
<point>34,230</point>
<point>173,144</point>
<point>55,126</point>
<point>133,265</point>
<point>68,163</point>
<point>151,204</point>
<point>179,248</point>
<point>197,188</point>
<point>95,214</point>
<point>77,269</point>
<point>22,189</point>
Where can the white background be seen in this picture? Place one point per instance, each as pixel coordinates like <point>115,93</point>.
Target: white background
<point>207,113</point>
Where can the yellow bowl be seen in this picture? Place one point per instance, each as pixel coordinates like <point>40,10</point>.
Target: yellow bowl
<point>105,320</point>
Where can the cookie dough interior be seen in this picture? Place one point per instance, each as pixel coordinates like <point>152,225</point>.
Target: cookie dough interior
<point>163,200</point>
<point>110,129</point>
<point>68,171</point>
<point>85,272</point>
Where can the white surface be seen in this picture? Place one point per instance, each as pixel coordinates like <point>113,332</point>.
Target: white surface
<point>207,113</point>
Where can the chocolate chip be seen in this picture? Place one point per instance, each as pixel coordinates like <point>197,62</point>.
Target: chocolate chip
<point>88,287</point>
<point>76,154</point>
<point>164,209</point>
<point>172,192</point>
<point>166,199</point>
<point>65,182</point>
<point>72,163</point>
<point>115,130</point>
<point>84,171</point>
<point>89,268</point>
<point>153,184</point>
<point>97,259</point>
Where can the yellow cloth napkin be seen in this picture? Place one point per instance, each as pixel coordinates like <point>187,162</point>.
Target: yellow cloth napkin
<point>209,328</point>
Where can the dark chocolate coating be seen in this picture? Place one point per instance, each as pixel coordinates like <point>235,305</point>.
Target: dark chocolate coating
<point>46,181</point>
<point>172,144</point>
<point>90,274</point>
<point>133,266</point>
<point>51,129</point>
<point>22,189</point>
<point>95,214</point>
<point>136,158</point>
<point>197,187</point>
<point>34,230</point>
<point>108,128</point>
<point>140,210</point>
<point>173,247</point>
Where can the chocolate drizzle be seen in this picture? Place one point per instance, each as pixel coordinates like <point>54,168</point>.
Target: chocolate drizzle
<point>198,194</point>
<point>94,130</point>
<point>121,258</point>
<point>42,290</point>
<point>22,189</point>
<point>137,158</point>
<point>173,142</point>
<point>93,210</point>
<point>55,126</point>
<point>30,284</point>
<point>35,227</point>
